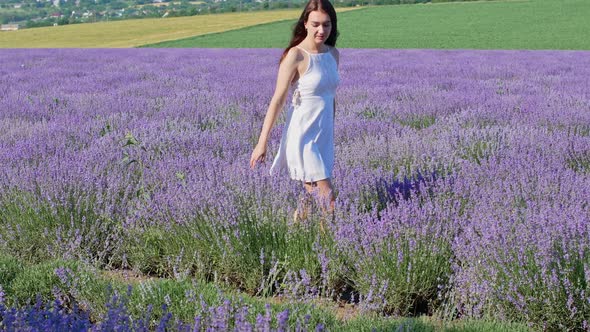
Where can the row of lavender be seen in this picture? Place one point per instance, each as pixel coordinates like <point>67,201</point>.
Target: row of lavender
<point>462,176</point>
<point>58,316</point>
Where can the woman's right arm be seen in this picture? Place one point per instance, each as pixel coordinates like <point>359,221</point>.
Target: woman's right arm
<point>287,71</point>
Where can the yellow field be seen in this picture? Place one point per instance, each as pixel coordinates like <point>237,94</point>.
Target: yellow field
<point>131,33</point>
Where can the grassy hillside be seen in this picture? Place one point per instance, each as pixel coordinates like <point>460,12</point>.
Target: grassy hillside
<point>532,24</point>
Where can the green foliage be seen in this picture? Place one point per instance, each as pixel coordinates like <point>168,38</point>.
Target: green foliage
<point>579,161</point>
<point>132,150</point>
<point>579,130</point>
<point>484,325</point>
<point>412,268</point>
<point>210,250</point>
<point>418,122</point>
<point>174,294</point>
<point>367,323</point>
<point>544,293</point>
<point>148,249</point>
<point>21,225</point>
<point>36,231</point>
<point>81,285</point>
<point>373,112</point>
<point>479,151</point>
<point>10,267</point>
<point>91,290</point>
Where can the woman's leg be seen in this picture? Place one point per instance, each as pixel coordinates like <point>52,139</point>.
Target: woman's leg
<point>305,203</point>
<point>324,192</point>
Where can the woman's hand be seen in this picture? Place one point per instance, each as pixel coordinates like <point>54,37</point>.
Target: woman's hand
<point>258,155</point>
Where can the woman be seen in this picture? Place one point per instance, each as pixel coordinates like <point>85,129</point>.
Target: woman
<point>310,64</point>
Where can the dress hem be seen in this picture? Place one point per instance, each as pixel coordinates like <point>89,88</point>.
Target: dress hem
<point>313,178</point>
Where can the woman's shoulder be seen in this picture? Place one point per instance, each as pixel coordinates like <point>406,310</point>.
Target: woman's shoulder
<point>296,53</point>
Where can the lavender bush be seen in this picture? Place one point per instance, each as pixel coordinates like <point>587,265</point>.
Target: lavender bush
<point>462,177</point>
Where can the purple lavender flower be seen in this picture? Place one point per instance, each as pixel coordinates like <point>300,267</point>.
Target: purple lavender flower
<point>283,321</point>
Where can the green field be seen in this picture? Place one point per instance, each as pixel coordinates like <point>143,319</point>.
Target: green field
<point>528,24</point>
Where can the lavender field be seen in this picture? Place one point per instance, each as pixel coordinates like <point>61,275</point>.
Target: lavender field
<point>462,178</point>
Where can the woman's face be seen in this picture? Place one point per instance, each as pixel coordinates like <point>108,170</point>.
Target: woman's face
<point>318,26</point>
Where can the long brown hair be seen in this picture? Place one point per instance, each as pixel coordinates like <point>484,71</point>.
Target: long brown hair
<point>299,32</point>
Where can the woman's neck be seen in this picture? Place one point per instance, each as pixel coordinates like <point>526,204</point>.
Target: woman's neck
<point>313,47</point>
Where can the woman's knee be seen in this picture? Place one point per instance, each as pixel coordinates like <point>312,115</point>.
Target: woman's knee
<point>323,188</point>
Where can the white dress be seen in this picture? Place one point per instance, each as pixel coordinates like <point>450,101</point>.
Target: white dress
<point>307,144</point>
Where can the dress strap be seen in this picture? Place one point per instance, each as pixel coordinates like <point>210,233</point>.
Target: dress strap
<point>301,48</point>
